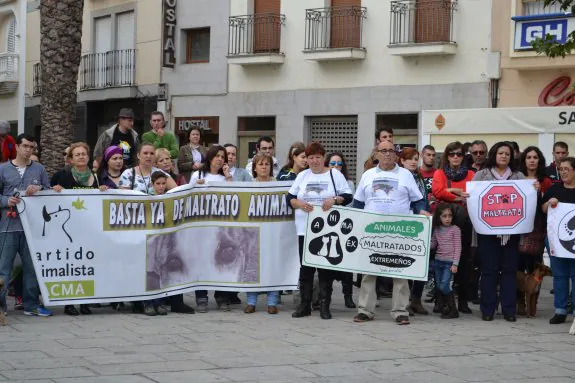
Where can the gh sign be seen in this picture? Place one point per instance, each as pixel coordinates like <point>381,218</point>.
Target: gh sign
<point>502,206</point>
<point>529,30</point>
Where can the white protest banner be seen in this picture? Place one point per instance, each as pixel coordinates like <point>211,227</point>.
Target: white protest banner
<point>561,230</point>
<point>502,207</point>
<point>120,245</point>
<point>358,241</point>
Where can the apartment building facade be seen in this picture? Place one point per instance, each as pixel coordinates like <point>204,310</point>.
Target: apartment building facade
<point>324,70</point>
<point>10,79</point>
<point>120,65</point>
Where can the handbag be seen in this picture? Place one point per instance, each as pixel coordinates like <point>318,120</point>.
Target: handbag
<point>534,243</point>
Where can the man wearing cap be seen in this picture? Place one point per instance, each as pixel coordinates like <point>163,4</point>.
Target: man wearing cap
<point>121,134</point>
<point>7,143</point>
<point>159,137</point>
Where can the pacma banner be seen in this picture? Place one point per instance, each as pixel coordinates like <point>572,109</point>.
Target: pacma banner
<point>561,230</point>
<point>91,247</point>
<point>362,242</point>
<point>502,207</point>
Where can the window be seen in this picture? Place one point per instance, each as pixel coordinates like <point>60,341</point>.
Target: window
<point>11,39</point>
<point>125,31</point>
<point>198,45</point>
<point>531,7</point>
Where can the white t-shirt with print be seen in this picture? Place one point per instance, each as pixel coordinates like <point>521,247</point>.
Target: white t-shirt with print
<point>209,177</point>
<point>141,183</point>
<point>314,189</point>
<point>390,192</point>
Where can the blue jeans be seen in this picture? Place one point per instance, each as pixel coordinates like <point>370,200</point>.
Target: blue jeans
<point>563,270</point>
<point>273,298</point>
<point>443,276</point>
<point>11,244</point>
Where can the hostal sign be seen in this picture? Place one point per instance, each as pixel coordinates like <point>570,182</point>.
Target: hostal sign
<point>169,35</point>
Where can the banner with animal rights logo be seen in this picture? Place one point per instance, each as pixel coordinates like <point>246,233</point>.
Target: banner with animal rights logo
<point>359,241</point>
<point>90,247</point>
<point>502,207</point>
<point>561,230</point>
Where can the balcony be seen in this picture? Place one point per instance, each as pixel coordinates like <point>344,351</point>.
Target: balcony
<point>256,39</point>
<point>36,81</point>
<point>111,69</point>
<point>8,73</point>
<point>334,33</point>
<point>422,27</point>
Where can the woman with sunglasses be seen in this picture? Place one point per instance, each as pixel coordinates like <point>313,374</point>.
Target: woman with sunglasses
<point>449,185</point>
<point>336,160</point>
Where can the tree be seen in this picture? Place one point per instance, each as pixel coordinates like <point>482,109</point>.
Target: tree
<point>548,45</point>
<point>60,54</point>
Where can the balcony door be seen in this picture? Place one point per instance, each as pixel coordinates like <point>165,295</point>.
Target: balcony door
<point>345,31</point>
<point>124,54</point>
<point>96,64</point>
<point>432,21</point>
<point>9,61</point>
<point>266,26</point>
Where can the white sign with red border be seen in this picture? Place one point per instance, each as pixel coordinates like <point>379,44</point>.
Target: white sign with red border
<point>502,207</point>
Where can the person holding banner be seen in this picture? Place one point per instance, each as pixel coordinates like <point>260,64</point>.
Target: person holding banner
<point>563,268</point>
<point>449,185</point>
<point>214,169</point>
<point>262,171</point>
<point>78,176</point>
<point>386,189</point>
<point>140,177</point>
<point>499,254</point>
<point>319,186</point>
<point>112,167</point>
<point>20,175</point>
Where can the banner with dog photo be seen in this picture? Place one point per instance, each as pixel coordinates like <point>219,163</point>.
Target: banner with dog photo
<point>91,247</point>
<point>561,230</point>
<point>359,241</point>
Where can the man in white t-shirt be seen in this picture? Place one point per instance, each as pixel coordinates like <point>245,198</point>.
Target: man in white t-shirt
<point>387,189</point>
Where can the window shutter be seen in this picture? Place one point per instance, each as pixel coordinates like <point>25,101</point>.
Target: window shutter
<point>125,31</point>
<point>345,25</point>
<point>103,34</point>
<point>11,43</point>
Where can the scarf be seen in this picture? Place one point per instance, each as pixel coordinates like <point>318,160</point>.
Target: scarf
<point>81,177</point>
<point>504,237</point>
<point>455,175</point>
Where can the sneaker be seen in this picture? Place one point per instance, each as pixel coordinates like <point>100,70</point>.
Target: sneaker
<point>202,307</point>
<point>162,310</point>
<point>18,305</point>
<point>40,312</point>
<point>402,320</point>
<point>558,319</point>
<point>360,318</point>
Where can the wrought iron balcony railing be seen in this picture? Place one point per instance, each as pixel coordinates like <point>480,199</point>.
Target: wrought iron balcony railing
<point>37,80</point>
<point>253,34</point>
<point>9,66</point>
<point>422,21</point>
<point>334,27</point>
<point>108,70</point>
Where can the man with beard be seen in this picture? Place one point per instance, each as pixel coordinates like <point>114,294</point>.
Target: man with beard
<point>427,171</point>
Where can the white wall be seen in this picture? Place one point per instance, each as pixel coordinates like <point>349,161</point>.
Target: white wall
<point>472,33</point>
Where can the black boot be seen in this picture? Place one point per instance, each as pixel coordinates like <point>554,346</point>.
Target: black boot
<point>324,312</point>
<point>439,302</point>
<point>463,306</point>
<point>349,301</point>
<point>450,311</point>
<point>178,306</point>
<point>304,308</point>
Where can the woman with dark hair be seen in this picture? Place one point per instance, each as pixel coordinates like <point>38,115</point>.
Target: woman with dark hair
<point>563,268</point>
<point>214,169</point>
<point>296,162</point>
<point>409,159</point>
<point>192,155</point>
<point>319,186</point>
<point>532,165</point>
<point>140,177</point>
<point>499,254</point>
<point>111,168</point>
<point>449,185</point>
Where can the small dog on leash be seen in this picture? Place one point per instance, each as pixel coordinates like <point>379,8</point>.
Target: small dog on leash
<point>3,320</point>
<point>530,285</point>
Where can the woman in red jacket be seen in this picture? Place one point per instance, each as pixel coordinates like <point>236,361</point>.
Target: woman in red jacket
<point>449,185</point>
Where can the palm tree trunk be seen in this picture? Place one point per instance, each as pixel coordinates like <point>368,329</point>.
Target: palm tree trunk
<point>60,54</point>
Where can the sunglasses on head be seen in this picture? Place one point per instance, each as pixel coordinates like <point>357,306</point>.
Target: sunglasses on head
<point>336,163</point>
<point>455,154</point>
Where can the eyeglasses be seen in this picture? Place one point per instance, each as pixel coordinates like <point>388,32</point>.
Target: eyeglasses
<point>478,153</point>
<point>386,151</point>
<point>565,170</point>
<point>455,154</point>
<point>336,163</point>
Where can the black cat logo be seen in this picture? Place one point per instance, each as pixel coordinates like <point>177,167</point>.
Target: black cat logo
<point>327,246</point>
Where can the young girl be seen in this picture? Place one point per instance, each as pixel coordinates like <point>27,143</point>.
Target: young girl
<point>154,307</point>
<point>446,239</point>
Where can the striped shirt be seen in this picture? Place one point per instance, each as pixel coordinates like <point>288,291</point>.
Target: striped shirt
<point>447,241</point>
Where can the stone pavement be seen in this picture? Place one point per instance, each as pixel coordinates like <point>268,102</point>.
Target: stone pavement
<point>223,347</point>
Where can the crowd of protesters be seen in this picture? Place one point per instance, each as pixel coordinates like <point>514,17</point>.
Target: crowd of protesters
<point>467,267</point>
